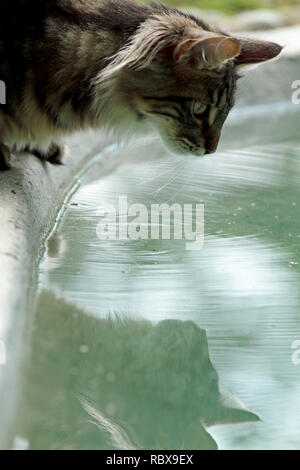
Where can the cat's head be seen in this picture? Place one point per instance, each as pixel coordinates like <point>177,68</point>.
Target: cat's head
<point>180,76</point>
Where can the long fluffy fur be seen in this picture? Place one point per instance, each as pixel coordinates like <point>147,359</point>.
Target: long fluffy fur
<point>62,50</point>
<point>67,64</point>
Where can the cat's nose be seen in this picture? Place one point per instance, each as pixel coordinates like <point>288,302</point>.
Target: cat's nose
<point>211,144</point>
<point>209,151</point>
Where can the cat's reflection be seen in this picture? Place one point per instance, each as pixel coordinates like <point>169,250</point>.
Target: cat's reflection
<point>119,383</point>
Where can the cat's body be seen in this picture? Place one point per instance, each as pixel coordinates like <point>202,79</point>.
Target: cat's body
<point>70,65</point>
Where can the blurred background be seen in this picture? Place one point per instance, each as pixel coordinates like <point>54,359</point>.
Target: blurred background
<point>243,15</point>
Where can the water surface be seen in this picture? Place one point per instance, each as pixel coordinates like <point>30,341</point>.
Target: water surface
<point>233,308</point>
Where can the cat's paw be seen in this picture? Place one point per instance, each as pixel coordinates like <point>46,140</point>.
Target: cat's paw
<point>54,154</point>
<point>4,158</point>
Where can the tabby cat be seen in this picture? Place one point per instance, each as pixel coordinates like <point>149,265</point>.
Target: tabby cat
<point>70,65</point>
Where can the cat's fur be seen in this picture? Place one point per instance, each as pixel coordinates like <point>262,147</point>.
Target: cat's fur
<point>75,64</point>
<point>119,383</point>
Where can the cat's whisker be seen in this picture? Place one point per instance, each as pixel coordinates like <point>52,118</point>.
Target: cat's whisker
<point>171,179</point>
<point>112,66</point>
<point>118,435</point>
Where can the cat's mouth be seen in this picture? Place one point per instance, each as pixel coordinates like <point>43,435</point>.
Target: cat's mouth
<point>182,150</point>
<point>182,146</point>
<point>206,144</point>
<point>179,145</point>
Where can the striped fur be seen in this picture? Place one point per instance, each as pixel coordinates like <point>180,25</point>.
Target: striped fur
<point>69,65</point>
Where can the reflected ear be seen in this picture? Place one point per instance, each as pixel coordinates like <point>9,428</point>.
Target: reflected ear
<point>206,50</point>
<point>255,51</point>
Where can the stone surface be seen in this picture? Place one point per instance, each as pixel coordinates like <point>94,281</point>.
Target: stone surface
<point>252,20</point>
<point>259,20</point>
<point>30,195</point>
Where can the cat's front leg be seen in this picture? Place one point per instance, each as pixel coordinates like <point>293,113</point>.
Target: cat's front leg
<point>54,154</point>
<point>4,158</point>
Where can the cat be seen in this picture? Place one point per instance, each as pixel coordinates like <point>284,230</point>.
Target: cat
<point>70,65</point>
<point>119,383</point>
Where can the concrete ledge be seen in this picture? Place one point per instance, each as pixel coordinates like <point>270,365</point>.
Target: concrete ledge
<point>32,193</point>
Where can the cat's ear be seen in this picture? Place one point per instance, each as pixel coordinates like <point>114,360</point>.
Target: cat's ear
<point>256,51</point>
<point>206,50</point>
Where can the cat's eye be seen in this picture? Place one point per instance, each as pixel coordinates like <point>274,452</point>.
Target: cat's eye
<point>198,108</point>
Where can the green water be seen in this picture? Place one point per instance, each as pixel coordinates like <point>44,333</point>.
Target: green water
<point>143,344</point>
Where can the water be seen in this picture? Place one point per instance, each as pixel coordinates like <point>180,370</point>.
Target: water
<point>143,344</point>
